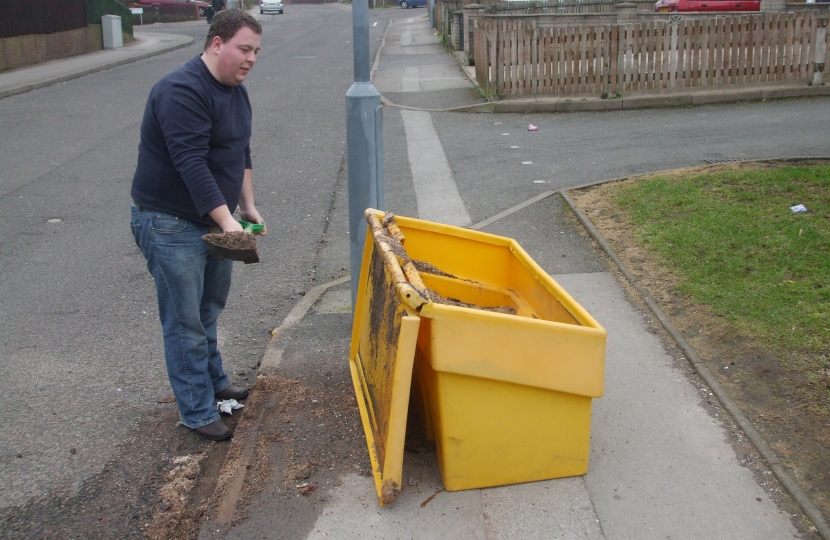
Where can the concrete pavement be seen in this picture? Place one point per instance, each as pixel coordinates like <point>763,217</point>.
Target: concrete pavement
<point>661,463</point>
<point>413,70</point>
<point>665,461</point>
<point>147,44</point>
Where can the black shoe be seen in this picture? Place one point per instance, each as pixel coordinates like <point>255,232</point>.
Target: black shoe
<point>232,392</point>
<point>215,431</point>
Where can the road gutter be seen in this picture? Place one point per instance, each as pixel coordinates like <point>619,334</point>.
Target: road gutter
<point>377,54</point>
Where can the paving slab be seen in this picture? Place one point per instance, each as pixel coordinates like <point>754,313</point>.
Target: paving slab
<point>426,78</point>
<point>390,61</point>
<point>661,464</point>
<point>415,70</point>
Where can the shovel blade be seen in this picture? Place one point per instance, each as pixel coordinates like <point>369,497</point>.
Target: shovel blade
<point>247,256</point>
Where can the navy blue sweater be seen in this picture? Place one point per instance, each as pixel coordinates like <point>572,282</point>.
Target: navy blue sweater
<point>194,145</point>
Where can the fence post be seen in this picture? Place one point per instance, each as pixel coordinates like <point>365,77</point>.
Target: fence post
<point>456,39</point>
<point>821,51</point>
<point>470,15</point>
<point>626,12</point>
<point>446,17</point>
<point>673,52</point>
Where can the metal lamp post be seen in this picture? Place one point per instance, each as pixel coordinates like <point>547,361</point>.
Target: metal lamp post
<point>431,7</point>
<point>364,139</point>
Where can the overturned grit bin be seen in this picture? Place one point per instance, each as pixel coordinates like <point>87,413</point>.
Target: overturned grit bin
<point>500,362</point>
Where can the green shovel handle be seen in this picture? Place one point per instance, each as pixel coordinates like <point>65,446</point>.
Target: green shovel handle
<point>252,228</point>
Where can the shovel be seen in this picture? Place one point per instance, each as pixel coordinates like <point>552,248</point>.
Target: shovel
<point>236,246</point>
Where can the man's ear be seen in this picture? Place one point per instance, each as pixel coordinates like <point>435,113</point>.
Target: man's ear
<point>215,44</point>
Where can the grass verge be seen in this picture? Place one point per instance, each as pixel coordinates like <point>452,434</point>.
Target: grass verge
<point>736,246</point>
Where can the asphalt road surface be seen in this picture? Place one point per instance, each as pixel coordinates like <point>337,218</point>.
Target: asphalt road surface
<point>85,443</point>
<point>81,360</point>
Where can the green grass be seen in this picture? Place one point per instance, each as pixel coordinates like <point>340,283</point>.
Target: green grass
<point>737,247</point>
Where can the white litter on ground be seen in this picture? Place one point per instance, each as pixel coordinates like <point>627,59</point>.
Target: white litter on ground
<point>227,406</point>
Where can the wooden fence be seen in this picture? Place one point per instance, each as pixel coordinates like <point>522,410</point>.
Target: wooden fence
<point>444,9</point>
<point>564,7</point>
<point>516,57</point>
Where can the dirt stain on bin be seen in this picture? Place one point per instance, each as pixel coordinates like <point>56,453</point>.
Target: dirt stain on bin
<point>430,294</point>
<point>426,268</point>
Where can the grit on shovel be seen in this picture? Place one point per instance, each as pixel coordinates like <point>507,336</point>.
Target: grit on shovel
<point>236,245</point>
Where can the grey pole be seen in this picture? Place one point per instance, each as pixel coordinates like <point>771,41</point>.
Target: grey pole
<point>431,7</point>
<point>364,140</point>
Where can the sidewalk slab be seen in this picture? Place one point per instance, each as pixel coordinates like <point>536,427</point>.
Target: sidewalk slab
<point>536,104</point>
<point>414,70</point>
<point>391,61</point>
<point>661,464</point>
<point>668,100</point>
<point>590,105</point>
<point>425,78</point>
<point>803,91</point>
<point>743,94</point>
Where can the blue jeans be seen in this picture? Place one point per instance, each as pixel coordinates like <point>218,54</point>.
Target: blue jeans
<point>192,288</point>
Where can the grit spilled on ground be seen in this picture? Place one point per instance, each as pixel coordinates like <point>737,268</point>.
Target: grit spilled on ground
<point>784,401</point>
<point>157,478</point>
<point>299,434</point>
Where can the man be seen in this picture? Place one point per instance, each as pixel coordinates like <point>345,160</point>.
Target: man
<point>194,168</point>
<point>216,7</point>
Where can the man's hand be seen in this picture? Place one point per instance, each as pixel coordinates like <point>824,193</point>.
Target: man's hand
<point>223,217</point>
<point>246,202</point>
<point>251,215</point>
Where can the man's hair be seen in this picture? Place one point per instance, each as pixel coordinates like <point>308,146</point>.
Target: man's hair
<point>227,23</point>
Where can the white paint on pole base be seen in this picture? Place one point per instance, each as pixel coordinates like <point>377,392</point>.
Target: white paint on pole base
<point>435,189</point>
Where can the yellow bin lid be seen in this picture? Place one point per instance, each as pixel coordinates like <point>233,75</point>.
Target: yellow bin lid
<point>384,337</point>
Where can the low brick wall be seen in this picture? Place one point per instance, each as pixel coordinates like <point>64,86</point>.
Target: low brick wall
<point>31,49</point>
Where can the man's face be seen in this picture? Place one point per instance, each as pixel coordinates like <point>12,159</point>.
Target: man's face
<point>237,56</point>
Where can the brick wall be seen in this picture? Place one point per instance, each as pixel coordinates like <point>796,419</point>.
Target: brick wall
<point>31,49</point>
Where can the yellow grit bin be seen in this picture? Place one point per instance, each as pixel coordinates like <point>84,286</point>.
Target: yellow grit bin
<point>499,361</point>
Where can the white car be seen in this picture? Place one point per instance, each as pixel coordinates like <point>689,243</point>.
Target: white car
<point>270,6</point>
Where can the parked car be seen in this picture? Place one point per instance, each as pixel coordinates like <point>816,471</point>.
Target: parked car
<point>668,6</point>
<point>269,6</point>
<point>406,4</point>
<point>202,5</point>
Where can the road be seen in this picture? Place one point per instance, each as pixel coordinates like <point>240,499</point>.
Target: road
<point>82,364</point>
<point>86,444</point>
